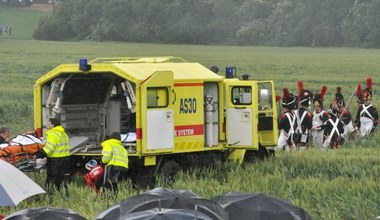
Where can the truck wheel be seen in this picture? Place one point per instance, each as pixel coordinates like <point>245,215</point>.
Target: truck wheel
<point>169,170</point>
<point>263,152</point>
<point>144,179</point>
<point>250,158</point>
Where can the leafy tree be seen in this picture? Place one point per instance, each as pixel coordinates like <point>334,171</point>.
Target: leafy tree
<point>355,26</point>
<point>374,24</point>
<point>240,22</point>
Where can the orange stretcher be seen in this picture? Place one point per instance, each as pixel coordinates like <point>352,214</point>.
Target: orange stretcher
<point>14,153</point>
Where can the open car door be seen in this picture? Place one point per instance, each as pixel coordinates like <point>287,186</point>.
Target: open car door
<point>157,112</point>
<point>241,114</point>
<point>267,128</point>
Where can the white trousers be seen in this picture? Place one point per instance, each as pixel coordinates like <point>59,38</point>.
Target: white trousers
<point>283,141</point>
<point>366,125</point>
<point>348,129</point>
<point>317,138</point>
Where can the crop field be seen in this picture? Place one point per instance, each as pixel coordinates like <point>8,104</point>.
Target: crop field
<point>330,184</point>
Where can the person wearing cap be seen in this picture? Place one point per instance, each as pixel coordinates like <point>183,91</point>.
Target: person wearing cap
<point>304,119</point>
<point>57,152</point>
<point>333,129</point>
<point>344,114</point>
<point>319,117</point>
<point>286,121</point>
<point>115,157</point>
<point>367,116</point>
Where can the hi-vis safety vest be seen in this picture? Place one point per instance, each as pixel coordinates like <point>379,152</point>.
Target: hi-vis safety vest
<point>114,153</point>
<point>57,143</point>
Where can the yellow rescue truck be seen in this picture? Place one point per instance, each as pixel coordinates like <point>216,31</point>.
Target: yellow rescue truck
<point>171,113</point>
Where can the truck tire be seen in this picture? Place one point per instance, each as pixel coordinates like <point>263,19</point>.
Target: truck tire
<point>169,170</point>
<point>263,152</point>
<point>144,179</point>
<point>250,157</point>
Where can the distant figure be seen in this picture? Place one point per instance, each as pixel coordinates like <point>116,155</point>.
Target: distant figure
<point>10,30</point>
<point>313,44</point>
<point>52,2</point>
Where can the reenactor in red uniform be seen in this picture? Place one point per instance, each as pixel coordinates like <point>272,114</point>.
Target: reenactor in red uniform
<point>344,114</point>
<point>367,116</point>
<point>304,119</point>
<point>333,129</point>
<point>286,121</point>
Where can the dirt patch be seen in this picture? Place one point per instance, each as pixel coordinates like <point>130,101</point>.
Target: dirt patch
<point>40,7</point>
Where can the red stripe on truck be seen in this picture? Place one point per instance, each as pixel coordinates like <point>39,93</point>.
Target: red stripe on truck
<point>188,130</point>
<point>187,84</point>
<point>138,133</point>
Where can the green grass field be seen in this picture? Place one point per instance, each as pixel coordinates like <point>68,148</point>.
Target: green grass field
<point>23,21</point>
<point>23,61</point>
<point>341,184</point>
<point>329,185</point>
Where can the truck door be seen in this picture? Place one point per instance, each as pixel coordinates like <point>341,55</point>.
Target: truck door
<point>157,117</point>
<point>267,128</point>
<point>241,114</point>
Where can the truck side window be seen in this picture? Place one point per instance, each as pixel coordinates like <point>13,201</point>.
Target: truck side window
<point>158,97</point>
<point>241,95</point>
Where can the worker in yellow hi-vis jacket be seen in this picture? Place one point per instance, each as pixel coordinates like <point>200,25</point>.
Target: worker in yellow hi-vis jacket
<point>115,157</point>
<point>57,152</point>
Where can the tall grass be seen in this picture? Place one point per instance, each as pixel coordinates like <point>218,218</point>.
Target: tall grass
<point>328,184</point>
<point>341,184</point>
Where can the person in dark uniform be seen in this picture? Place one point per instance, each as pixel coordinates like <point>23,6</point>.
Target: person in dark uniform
<point>333,129</point>
<point>367,116</point>
<point>304,119</point>
<point>286,121</point>
<point>344,114</point>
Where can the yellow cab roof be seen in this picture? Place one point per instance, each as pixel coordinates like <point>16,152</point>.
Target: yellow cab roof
<point>181,71</point>
<point>139,69</point>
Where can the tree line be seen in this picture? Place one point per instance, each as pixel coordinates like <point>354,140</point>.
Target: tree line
<point>322,23</point>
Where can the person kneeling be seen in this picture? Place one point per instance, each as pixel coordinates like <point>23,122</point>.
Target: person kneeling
<point>115,158</point>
